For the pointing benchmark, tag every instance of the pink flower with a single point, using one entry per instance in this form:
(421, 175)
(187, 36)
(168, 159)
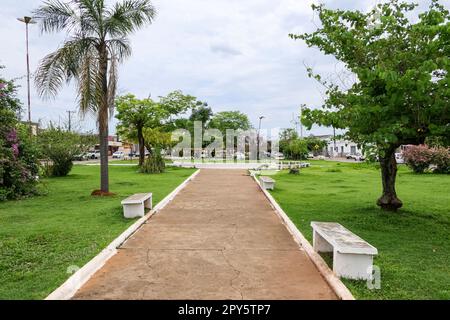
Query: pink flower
(15, 149)
(12, 136)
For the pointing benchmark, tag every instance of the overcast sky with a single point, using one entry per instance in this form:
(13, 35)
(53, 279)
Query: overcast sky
(234, 54)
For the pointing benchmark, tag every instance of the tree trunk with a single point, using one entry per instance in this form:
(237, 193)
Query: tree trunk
(141, 147)
(103, 115)
(389, 200)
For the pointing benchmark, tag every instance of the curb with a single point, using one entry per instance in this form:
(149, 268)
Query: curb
(330, 277)
(69, 288)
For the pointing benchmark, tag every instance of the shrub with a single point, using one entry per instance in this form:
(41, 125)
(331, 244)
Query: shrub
(441, 159)
(18, 160)
(418, 158)
(60, 147)
(154, 164)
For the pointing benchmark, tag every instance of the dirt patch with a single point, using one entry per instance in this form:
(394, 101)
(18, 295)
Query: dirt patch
(99, 193)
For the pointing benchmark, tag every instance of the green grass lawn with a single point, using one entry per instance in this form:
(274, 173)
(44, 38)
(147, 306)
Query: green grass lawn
(413, 244)
(40, 238)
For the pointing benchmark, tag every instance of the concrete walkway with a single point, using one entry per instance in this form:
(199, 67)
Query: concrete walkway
(218, 239)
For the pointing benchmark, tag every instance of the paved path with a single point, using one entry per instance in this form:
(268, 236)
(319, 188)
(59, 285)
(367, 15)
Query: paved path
(218, 239)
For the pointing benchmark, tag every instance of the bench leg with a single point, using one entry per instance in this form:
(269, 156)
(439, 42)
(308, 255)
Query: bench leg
(148, 204)
(131, 211)
(320, 244)
(353, 266)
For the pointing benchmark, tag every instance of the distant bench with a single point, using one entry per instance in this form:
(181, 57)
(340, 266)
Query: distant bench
(352, 256)
(134, 206)
(267, 183)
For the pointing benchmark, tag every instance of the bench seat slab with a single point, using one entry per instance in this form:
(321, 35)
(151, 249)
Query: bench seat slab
(134, 206)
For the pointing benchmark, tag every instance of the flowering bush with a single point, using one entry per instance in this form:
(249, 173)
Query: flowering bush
(18, 163)
(441, 160)
(420, 158)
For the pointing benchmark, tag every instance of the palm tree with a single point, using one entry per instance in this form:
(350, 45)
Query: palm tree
(97, 42)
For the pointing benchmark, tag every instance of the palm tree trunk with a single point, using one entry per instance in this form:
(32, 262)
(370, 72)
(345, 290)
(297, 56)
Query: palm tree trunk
(103, 121)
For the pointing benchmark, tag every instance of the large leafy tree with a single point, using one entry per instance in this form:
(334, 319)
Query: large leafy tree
(97, 42)
(401, 93)
(234, 120)
(177, 103)
(134, 115)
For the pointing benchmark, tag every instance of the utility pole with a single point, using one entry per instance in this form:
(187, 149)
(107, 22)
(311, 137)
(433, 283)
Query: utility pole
(27, 21)
(334, 140)
(70, 119)
(301, 124)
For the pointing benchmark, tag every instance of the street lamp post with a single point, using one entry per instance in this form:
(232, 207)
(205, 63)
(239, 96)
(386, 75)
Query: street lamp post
(27, 21)
(257, 138)
(70, 119)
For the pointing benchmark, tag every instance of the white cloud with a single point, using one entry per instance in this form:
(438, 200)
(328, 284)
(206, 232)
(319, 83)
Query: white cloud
(233, 54)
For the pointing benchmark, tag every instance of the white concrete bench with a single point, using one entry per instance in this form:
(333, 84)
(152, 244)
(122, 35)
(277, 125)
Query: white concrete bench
(134, 206)
(352, 256)
(267, 183)
(305, 165)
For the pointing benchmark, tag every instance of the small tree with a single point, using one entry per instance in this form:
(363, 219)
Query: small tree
(135, 114)
(60, 147)
(297, 149)
(315, 145)
(402, 66)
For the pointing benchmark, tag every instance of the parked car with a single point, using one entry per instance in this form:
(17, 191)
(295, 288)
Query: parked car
(118, 155)
(278, 156)
(239, 156)
(93, 155)
(310, 156)
(399, 158)
(80, 157)
(356, 157)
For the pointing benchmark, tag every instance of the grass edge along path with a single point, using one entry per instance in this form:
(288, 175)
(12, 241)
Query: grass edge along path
(413, 244)
(43, 238)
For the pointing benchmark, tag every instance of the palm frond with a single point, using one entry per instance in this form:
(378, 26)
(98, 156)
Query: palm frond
(112, 85)
(92, 11)
(55, 15)
(128, 16)
(89, 83)
(120, 48)
(61, 66)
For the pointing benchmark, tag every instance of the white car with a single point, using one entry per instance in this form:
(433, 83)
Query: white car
(278, 156)
(93, 155)
(356, 157)
(399, 158)
(239, 156)
(118, 155)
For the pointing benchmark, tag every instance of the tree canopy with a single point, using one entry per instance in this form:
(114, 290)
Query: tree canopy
(401, 93)
(96, 43)
(234, 120)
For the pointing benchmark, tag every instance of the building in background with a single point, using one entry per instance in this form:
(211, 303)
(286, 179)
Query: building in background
(340, 148)
(34, 127)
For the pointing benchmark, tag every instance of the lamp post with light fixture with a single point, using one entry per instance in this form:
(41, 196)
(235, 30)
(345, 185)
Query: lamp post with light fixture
(257, 138)
(27, 21)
